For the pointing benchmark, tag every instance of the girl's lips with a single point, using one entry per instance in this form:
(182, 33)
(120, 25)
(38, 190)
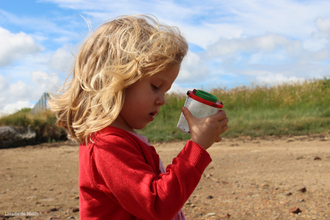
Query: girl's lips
(152, 115)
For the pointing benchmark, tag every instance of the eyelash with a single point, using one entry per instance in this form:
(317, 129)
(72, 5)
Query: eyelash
(154, 87)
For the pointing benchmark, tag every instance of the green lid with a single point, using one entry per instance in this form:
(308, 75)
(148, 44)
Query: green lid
(205, 95)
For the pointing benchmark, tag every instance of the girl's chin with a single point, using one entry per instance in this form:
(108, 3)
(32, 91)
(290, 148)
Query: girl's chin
(140, 127)
(151, 117)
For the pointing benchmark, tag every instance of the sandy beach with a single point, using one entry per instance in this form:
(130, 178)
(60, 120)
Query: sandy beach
(249, 178)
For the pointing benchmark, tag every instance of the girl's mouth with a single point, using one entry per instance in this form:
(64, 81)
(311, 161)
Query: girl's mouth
(152, 115)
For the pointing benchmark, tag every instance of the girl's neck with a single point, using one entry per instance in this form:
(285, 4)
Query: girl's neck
(121, 123)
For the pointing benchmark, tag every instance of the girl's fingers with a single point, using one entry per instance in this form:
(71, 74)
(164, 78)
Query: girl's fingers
(224, 121)
(187, 114)
(219, 115)
(224, 128)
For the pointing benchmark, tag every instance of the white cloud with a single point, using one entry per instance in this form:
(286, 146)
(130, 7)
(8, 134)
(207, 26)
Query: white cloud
(312, 56)
(14, 46)
(22, 91)
(207, 33)
(62, 59)
(320, 38)
(44, 26)
(178, 89)
(3, 83)
(15, 96)
(288, 18)
(315, 43)
(278, 79)
(266, 43)
(19, 94)
(46, 82)
(14, 107)
(244, 41)
(124, 7)
(193, 68)
(323, 24)
(40, 78)
(62, 39)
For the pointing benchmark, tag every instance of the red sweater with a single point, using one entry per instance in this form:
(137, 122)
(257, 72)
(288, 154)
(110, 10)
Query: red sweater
(119, 178)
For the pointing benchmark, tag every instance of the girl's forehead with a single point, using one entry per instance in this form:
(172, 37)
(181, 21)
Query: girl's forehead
(169, 74)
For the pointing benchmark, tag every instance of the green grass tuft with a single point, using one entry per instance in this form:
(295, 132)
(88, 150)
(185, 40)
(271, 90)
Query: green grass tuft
(43, 124)
(298, 109)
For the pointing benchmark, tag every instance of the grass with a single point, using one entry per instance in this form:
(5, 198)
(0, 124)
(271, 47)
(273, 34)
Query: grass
(43, 124)
(298, 109)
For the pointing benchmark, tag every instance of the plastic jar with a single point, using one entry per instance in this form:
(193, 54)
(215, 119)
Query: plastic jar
(200, 104)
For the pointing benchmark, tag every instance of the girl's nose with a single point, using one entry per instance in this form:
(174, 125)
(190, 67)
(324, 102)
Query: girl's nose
(160, 100)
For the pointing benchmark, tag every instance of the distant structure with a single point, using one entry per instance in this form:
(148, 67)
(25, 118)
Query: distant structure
(42, 104)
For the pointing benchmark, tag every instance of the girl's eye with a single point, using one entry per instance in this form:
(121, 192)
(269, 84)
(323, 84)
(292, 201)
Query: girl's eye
(154, 87)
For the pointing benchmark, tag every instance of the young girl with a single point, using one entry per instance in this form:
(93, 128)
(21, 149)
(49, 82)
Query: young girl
(119, 79)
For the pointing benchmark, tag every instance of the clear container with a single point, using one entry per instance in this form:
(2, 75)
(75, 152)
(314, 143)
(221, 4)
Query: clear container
(200, 104)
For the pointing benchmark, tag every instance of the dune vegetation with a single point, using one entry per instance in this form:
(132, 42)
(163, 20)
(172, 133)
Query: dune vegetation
(290, 109)
(297, 109)
(43, 124)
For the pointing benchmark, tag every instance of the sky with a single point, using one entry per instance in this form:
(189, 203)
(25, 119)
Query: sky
(231, 43)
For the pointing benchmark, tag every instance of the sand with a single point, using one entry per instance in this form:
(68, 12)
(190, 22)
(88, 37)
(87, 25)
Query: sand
(249, 178)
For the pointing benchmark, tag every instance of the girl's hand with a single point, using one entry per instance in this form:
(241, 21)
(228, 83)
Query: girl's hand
(206, 131)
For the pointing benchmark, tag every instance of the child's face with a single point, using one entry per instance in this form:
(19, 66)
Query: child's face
(144, 98)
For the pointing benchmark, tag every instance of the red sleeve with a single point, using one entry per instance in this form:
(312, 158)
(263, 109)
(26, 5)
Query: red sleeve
(122, 172)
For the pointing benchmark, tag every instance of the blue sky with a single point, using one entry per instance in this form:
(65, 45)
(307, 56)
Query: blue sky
(232, 43)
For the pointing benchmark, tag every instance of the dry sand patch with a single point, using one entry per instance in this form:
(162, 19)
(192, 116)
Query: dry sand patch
(247, 179)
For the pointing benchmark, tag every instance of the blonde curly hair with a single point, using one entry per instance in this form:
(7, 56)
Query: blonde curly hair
(115, 56)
